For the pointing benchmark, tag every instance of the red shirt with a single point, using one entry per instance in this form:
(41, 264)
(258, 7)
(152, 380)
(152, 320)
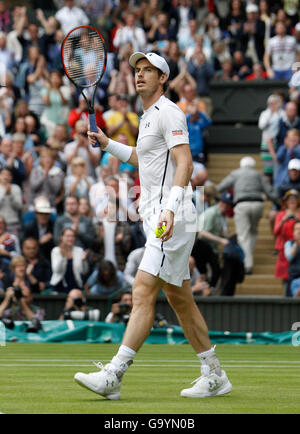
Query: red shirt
(75, 115)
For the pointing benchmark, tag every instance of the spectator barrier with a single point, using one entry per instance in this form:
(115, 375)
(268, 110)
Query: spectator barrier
(100, 332)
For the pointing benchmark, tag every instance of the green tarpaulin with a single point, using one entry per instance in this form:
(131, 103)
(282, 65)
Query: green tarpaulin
(100, 332)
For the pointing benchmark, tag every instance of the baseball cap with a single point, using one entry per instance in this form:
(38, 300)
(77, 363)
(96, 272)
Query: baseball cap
(158, 61)
(292, 192)
(247, 162)
(294, 164)
(226, 198)
(42, 205)
(251, 8)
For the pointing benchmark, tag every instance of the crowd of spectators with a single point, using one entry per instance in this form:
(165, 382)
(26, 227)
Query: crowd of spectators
(67, 221)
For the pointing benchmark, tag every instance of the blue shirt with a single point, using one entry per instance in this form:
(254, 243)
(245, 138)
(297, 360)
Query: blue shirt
(195, 132)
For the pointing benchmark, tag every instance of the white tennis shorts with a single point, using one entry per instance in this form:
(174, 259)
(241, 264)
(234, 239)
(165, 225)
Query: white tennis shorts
(168, 260)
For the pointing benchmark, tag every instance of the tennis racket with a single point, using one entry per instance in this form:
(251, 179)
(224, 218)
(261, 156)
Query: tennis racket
(84, 57)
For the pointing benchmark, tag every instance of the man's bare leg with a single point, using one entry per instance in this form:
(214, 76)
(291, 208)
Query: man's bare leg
(190, 318)
(144, 293)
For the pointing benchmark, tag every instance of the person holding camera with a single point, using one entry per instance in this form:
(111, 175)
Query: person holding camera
(77, 309)
(17, 306)
(121, 310)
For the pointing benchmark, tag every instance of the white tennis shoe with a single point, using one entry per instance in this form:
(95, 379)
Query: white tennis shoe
(208, 385)
(106, 382)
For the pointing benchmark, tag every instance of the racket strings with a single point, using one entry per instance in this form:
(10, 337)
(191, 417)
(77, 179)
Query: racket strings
(84, 56)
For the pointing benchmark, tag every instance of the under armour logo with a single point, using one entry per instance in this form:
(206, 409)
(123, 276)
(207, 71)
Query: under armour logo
(147, 125)
(212, 385)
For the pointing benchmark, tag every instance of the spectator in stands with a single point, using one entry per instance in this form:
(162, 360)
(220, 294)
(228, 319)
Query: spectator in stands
(81, 113)
(56, 98)
(21, 276)
(17, 306)
(258, 73)
(226, 71)
(112, 106)
(6, 57)
(5, 18)
(197, 123)
(283, 230)
(268, 123)
(82, 226)
(32, 38)
(288, 121)
(242, 65)
(57, 154)
(71, 16)
(211, 235)
(122, 77)
(293, 182)
(9, 243)
(186, 38)
(105, 280)
(292, 254)
(202, 72)
(289, 151)
(198, 285)
(123, 121)
(120, 310)
(10, 201)
(234, 24)
(130, 33)
(114, 238)
(10, 160)
(132, 264)
(68, 263)
(80, 148)
(253, 35)
(85, 208)
(47, 180)
(78, 183)
(248, 185)
(41, 227)
(38, 268)
(280, 54)
(177, 86)
(188, 97)
(161, 32)
(36, 76)
(267, 17)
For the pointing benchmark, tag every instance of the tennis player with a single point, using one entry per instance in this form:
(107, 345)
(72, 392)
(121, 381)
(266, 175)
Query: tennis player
(165, 166)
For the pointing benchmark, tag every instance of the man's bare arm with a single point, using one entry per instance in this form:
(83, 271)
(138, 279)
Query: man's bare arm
(115, 148)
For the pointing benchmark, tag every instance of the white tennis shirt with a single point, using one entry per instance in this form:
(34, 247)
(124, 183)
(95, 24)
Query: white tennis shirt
(162, 126)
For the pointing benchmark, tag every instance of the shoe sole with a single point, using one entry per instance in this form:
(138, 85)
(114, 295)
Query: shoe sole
(227, 388)
(115, 396)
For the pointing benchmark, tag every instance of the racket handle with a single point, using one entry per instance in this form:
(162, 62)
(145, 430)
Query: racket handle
(93, 127)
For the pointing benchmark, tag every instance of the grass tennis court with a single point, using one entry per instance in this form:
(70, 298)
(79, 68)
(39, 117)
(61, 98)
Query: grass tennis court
(38, 378)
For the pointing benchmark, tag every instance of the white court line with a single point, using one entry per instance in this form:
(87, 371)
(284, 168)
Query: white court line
(147, 361)
(30, 365)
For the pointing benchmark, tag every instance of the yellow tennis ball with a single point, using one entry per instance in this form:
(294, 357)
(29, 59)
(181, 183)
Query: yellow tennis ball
(160, 231)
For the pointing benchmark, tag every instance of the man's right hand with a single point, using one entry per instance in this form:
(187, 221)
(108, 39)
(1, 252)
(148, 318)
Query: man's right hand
(100, 136)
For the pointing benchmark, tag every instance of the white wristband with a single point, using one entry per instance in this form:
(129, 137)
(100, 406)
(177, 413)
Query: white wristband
(123, 152)
(175, 198)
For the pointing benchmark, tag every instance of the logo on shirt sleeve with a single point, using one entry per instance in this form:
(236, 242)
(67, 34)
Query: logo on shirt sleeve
(177, 132)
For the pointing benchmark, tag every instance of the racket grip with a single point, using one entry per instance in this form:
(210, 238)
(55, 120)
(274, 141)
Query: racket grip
(93, 127)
